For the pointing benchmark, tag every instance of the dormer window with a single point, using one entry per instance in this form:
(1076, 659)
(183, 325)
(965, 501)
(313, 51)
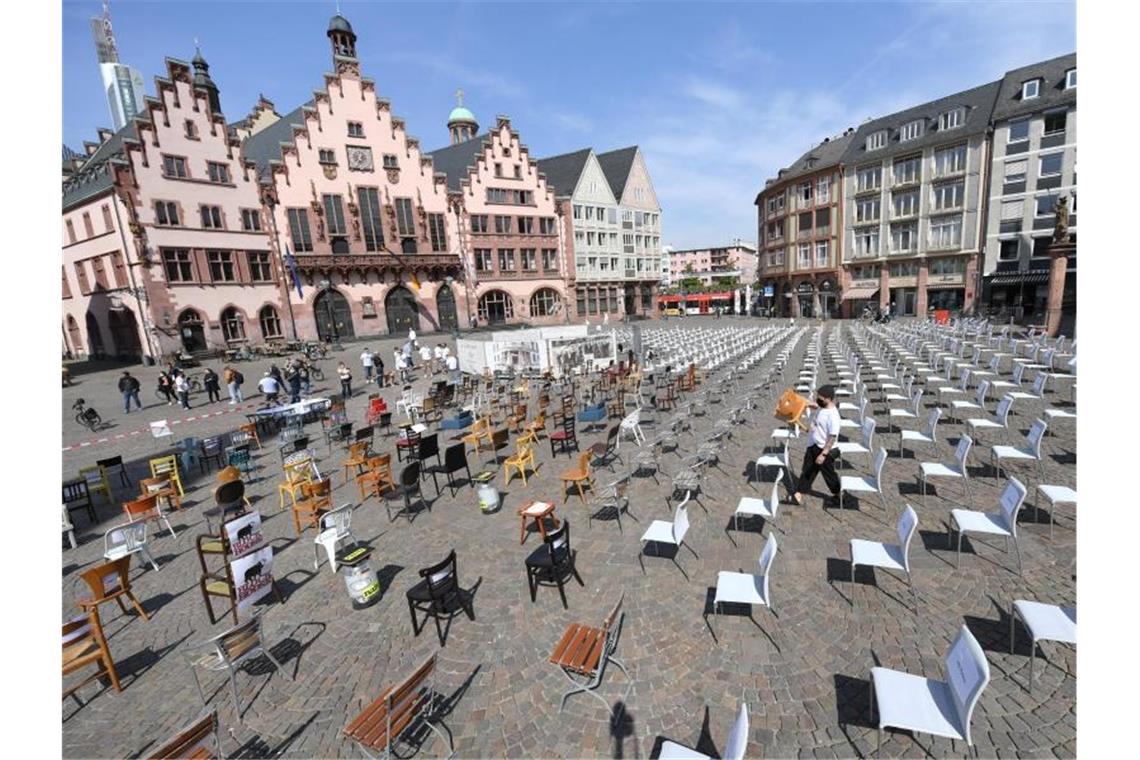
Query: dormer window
(355, 129)
(877, 140)
(912, 130)
(326, 156)
(955, 117)
(191, 130)
(1070, 79)
(1030, 89)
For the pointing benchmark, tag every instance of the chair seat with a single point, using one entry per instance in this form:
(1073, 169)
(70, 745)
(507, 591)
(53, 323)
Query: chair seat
(673, 751)
(939, 470)
(753, 506)
(850, 447)
(1023, 396)
(847, 423)
(877, 554)
(218, 588)
(969, 521)
(1062, 414)
(980, 423)
(857, 483)
(660, 531)
(915, 703)
(1012, 452)
(964, 404)
(914, 435)
(1048, 621)
(1058, 494)
(770, 460)
(902, 413)
(560, 435)
(580, 649)
(573, 475)
(739, 588)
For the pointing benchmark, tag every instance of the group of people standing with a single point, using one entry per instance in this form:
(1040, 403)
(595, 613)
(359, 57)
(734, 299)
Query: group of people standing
(435, 358)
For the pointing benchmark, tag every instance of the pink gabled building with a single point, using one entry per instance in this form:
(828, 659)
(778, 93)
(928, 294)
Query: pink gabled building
(358, 207)
(164, 237)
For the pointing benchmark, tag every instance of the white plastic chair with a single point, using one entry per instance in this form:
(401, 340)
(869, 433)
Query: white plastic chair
(978, 403)
(957, 469)
(1001, 421)
(907, 414)
(127, 539)
(734, 748)
(1045, 622)
(665, 532)
(941, 708)
(887, 556)
(746, 588)
(1001, 523)
(773, 460)
(927, 435)
(1055, 495)
(858, 447)
(750, 506)
(1038, 392)
(866, 484)
(1030, 453)
(1002, 385)
(335, 530)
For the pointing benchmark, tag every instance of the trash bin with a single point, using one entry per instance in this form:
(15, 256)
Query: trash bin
(488, 495)
(360, 580)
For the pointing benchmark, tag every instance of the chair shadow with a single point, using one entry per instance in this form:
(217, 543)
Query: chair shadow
(993, 634)
(840, 570)
(288, 587)
(138, 663)
(704, 744)
(387, 574)
(932, 540)
(734, 609)
(852, 707)
(257, 748)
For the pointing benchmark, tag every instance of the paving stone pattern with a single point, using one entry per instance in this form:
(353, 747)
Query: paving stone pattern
(803, 668)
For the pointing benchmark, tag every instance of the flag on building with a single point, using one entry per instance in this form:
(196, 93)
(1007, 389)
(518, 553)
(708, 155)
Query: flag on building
(291, 265)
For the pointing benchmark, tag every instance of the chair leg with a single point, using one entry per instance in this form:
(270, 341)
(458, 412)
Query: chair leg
(958, 564)
(149, 557)
(234, 692)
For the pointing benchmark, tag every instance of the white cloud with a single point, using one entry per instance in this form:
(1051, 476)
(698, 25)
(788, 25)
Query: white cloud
(489, 84)
(572, 122)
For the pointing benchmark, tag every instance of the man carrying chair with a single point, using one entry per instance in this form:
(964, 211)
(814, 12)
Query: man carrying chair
(822, 436)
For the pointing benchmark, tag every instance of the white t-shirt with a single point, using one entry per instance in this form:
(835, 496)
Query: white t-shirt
(425, 354)
(412, 335)
(824, 426)
(268, 384)
(452, 363)
(366, 358)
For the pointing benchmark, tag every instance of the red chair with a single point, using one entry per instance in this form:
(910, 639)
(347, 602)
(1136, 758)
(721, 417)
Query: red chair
(376, 407)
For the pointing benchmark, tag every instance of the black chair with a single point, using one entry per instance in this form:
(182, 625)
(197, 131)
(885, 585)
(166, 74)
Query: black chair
(500, 439)
(385, 423)
(606, 453)
(211, 448)
(364, 434)
(439, 596)
(408, 487)
(552, 563)
(76, 496)
(454, 460)
(341, 433)
(409, 443)
(113, 463)
(292, 447)
(565, 436)
(429, 447)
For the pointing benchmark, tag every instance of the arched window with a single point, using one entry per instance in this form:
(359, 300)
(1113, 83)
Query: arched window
(496, 306)
(233, 325)
(545, 302)
(270, 323)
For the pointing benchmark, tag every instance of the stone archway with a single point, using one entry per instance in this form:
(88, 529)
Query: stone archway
(445, 304)
(94, 336)
(125, 332)
(192, 331)
(333, 316)
(402, 311)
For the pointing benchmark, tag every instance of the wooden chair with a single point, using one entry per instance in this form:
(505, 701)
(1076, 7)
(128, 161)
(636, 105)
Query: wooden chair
(168, 465)
(250, 429)
(146, 509)
(479, 431)
(412, 701)
(377, 477)
(226, 474)
(214, 583)
(583, 652)
(516, 420)
(110, 580)
(77, 496)
(296, 473)
(523, 458)
(97, 480)
(83, 645)
(577, 476)
(538, 425)
(316, 499)
(409, 442)
(163, 488)
(199, 741)
(564, 436)
(500, 439)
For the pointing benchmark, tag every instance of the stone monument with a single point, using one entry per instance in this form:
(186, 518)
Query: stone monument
(1059, 250)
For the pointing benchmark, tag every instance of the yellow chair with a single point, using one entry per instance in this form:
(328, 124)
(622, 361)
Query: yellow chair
(96, 477)
(167, 467)
(296, 474)
(523, 458)
(480, 430)
(577, 476)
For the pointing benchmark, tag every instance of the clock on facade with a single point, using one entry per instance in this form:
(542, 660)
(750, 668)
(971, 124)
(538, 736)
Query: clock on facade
(359, 158)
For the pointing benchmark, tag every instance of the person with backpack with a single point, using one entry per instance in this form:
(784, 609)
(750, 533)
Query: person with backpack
(345, 375)
(210, 383)
(129, 387)
(233, 380)
(293, 378)
(166, 387)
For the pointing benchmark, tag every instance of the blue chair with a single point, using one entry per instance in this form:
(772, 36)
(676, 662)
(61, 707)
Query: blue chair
(461, 421)
(592, 415)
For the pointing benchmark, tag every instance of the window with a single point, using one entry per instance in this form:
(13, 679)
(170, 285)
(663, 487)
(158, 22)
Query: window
(546, 225)
(904, 237)
(327, 156)
(776, 230)
(529, 261)
(259, 268)
(526, 225)
(370, 217)
(503, 225)
(390, 161)
(221, 266)
(906, 269)
(87, 226)
(251, 220)
(355, 129)
(100, 274)
(869, 178)
(518, 172)
(165, 214)
(550, 259)
(516, 197)
(219, 173)
(107, 224)
(1055, 122)
(949, 196)
(1010, 249)
(498, 170)
(81, 275)
(545, 302)
(946, 266)
(233, 325)
(822, 220)
(405, 222)
(479, 223)
(1041, 247)
(299, 229)
(877, 140)
(950, 161)
(1019, 130)
(577, 212)
(70, 231)
(211, 217)
(270, 323)
(1050, 165)
(174, 166)
(1030, 89)
(907, 170)
(483, 260)
(905, 204)
(1015, 170)
(1012, 211)
(912, 130)
(803, 256)
(821, 252)
(805, 195)
(867, 210)
(951, 119)
(1070, 79)
(496, 306)
(334, 214)
(437, 232)
(1045, 204)
(191, 129)
(805, 223)
(66, 285)
(506, 259)
(823, 190)
(867, 242)
(176, 263)
(946, 232)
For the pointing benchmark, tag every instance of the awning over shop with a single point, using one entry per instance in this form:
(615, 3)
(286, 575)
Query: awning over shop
(852, 294)
(1021, 277)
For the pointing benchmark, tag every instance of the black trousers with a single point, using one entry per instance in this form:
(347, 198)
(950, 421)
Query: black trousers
(811, 469)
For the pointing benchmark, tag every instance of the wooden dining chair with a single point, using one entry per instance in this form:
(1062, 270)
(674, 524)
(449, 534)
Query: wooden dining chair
(296, 473)
(357, 458)
(167, 465)
(316, 499)
(519, 461)
(97, 480)
(146, 509)
(110, 581)
(576, 476)
(163, 488)
(250, 429)
(83, 645)
(377, 477)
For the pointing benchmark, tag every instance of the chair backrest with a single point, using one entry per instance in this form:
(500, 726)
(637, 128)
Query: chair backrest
(455, 457)
(110, 462)
(192, 740)
(339, 519)
(961, 451)
(767, 557)
(143, 506)
(298, 470)
(774, 504)
(1036, 433)
(964, 380)
(877, 465)
(968, 674)
(130, 537)
(737, 744)
(358, 448)
(906, 527)
(1018, 373)
(429, 446)
(917, 399)
(994, 362)
(681, 521)
(1003, 409)
(1039, 384)
(868, 431)
(240, 640)
(229, 493)
(163, 465)
(443, 577)
(932, 422)
(76, 490)
(1011, 501)
(558, 544)
(500, 439)
(108, 578)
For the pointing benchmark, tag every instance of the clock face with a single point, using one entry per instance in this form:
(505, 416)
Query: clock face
(359, 158)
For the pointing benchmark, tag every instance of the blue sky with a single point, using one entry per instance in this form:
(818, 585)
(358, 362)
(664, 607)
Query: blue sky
(718, 95)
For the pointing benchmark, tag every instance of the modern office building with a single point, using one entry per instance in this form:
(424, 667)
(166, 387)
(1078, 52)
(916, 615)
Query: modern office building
(122, 85)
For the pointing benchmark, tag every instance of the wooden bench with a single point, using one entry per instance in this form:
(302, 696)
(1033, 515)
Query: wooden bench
(398, 708)
(193, 742)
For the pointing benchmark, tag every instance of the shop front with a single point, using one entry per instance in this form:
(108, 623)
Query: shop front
(1020, 295)
(946, 292)
(828, 300)
(768, 299)
(805, 296)
(789, 304)
(861, 295)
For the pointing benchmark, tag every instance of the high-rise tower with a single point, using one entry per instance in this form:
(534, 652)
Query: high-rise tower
(123, 85)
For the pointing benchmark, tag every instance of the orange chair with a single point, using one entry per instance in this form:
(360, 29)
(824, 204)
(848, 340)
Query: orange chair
(377, 478)
(479, 431)
(250, 429)
(523, 458)
(577, 476)
(515, 421)
(110, 580)
(227, 474)
(163, 488)
(537, 425)
(316, 499)
(357, 457)
(83, 645)
(147, 508)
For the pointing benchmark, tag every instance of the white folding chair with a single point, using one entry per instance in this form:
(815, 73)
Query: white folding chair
(123, 540)
(863, 484)
(1001, 523)
(734, 748)
(672, 533)
(746, 588)
(941, 708)
(887, 556)
(751, 507)
(1045, 622)
(957, 469)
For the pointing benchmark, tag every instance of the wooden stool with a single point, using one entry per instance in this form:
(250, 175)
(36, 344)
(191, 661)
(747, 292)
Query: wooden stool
(536, 510)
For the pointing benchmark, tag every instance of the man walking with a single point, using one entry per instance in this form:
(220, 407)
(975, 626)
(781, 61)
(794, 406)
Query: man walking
(368, 361)
(293, 378)
(819, 457)
(182, 388)
(210, 383)
(129, 387)
(233, 380)
(270, 387)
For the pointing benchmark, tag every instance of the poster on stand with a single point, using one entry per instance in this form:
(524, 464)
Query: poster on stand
(244, 533)
(253, 576)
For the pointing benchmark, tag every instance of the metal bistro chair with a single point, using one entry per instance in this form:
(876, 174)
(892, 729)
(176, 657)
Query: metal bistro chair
(123, 540)
(583, 653)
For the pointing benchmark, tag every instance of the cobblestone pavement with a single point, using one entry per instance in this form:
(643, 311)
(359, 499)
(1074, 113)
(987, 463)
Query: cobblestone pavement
(803, 669)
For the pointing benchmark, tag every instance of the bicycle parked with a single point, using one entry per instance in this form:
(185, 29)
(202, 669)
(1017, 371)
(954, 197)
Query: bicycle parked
(86, 416)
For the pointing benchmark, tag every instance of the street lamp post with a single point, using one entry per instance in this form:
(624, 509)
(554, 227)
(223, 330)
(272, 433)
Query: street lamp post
(455, 327)
(326, 286)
